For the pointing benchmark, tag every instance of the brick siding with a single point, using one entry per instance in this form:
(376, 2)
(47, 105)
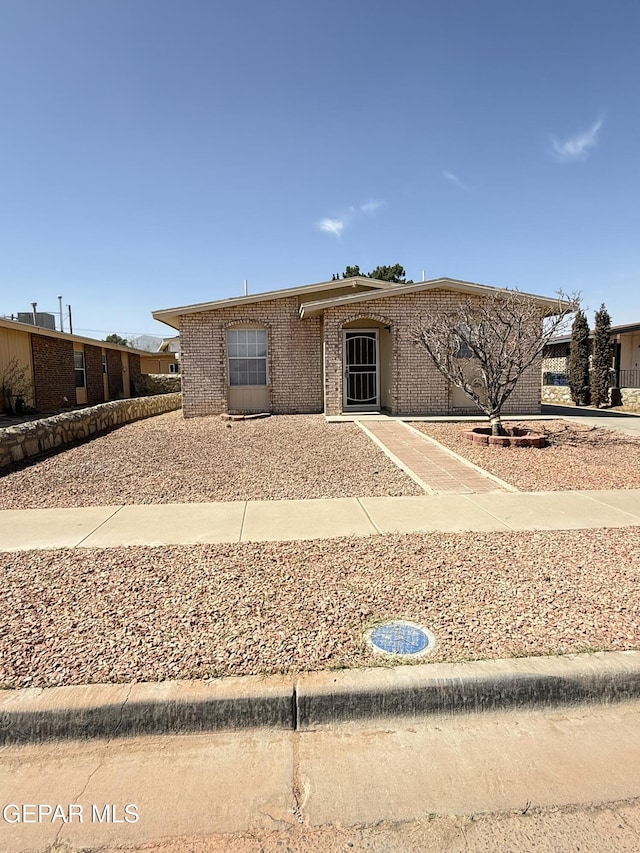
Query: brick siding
(53, 372)
(295, 357)
(93, 366)
(114, 370)
(418, 388)
(134, 367)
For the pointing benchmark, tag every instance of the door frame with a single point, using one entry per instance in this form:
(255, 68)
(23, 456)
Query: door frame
(360, 407)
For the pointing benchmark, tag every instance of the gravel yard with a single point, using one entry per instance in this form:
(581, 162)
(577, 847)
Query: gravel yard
(577, 457)
(147, 614)
(167, 459)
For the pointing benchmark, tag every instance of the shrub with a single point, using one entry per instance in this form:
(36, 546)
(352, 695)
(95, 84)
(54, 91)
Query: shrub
(601, 365)
(578, 368)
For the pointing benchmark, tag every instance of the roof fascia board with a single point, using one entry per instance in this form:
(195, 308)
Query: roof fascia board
(65, 336)
(310, 309)
(166, 315)
(625, 329)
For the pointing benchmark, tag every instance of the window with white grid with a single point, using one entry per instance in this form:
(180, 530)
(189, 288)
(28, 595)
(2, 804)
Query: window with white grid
(247, 355)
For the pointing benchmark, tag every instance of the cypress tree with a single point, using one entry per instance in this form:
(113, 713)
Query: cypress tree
(601, 365)
(578, 367)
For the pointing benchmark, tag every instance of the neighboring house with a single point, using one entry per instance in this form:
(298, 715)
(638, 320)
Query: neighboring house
(625, 366)
(171, 345)
(64, 369)
(165, 360)
(338, 346)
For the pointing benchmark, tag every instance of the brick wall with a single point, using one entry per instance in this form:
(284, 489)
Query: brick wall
(53, 372)
(114, 369)
(134, 367)
(418, 388)
(527, 395)
(93, 365)
(295, 357)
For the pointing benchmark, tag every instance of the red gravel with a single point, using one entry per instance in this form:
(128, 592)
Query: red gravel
(167, 459)
(147, 614)
(577, 457)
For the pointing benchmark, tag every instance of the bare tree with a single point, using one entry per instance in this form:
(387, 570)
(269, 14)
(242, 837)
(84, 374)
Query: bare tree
(484, 344)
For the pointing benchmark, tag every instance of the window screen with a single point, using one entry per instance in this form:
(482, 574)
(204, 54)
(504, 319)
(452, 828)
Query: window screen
(247, 353)
(78, 363)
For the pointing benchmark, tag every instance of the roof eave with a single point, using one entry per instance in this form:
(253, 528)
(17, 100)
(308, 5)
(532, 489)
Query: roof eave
(312, 309)
(171, 316)
(17, 325)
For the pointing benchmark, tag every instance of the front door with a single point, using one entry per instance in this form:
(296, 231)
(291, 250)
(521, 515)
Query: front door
(361, 387)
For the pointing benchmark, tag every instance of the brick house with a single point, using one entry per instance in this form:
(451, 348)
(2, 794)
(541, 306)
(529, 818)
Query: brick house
(625, 366)
(65, 369)
(338, 346)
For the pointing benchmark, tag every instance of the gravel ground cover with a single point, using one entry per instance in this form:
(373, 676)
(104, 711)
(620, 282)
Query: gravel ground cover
(148, 614)
(577, 456)
(167, 459)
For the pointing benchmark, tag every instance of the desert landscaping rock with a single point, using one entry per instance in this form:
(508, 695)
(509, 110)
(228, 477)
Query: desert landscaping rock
(168, 459)
(35, 437)
(577, 456)
(151, 614)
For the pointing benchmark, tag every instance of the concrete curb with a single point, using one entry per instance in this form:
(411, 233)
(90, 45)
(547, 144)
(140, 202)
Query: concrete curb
(326, 698)
(313, 700)
(127, 710)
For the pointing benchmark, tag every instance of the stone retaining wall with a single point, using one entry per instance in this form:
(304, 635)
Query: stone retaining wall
(630, 397)
(146, 384)
(560, 394)
(36, 437)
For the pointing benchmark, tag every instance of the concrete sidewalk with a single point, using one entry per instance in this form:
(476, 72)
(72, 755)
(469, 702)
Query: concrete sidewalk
(625, 422)
(264, 521)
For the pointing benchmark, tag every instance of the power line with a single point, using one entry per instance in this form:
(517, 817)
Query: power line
(99, 331)
(111, 332)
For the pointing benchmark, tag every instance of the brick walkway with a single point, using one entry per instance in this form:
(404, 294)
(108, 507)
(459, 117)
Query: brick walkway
(432, 466)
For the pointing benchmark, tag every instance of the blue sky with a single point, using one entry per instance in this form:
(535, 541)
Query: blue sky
(157, 153)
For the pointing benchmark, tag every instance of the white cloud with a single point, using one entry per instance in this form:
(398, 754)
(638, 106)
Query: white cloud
(337, 224)
(454, 179)
(371, 206)
(332, 226)
(576, 147)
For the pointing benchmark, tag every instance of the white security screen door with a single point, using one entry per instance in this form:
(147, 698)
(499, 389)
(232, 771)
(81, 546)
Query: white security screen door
(361, 387)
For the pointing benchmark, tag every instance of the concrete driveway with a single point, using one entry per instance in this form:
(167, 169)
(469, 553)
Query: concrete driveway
(621, 421)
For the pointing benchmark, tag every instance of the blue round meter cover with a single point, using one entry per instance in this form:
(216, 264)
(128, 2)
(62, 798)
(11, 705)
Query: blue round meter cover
(400, 638)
